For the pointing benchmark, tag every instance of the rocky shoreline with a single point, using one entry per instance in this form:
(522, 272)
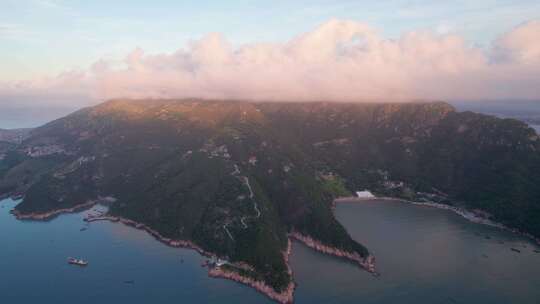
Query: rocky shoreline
(152, 232)
(475, 218)
(284, 297)
(469, 215)
(367, 263)
(51, 214)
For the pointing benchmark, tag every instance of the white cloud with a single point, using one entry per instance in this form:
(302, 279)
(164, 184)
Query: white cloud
(340, 60)
(521, 45)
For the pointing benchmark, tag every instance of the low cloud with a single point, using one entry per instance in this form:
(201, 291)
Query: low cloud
(338, 61)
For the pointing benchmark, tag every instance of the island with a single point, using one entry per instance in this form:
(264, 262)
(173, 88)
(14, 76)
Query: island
(238, 181)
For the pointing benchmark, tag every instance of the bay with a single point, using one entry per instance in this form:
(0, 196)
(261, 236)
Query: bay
(425, 255)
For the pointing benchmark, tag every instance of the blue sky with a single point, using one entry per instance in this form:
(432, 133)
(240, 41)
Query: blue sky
(44, 37)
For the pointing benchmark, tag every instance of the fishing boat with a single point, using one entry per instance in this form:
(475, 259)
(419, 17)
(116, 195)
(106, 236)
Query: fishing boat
(79, 262)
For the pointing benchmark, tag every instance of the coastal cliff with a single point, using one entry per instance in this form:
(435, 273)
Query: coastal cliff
(36, 216)
(286, 296)
(232, 179)
(230, 271)
(367, 263)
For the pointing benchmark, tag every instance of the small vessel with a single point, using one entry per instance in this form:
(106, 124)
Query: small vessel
(79, 262)
(515, 250)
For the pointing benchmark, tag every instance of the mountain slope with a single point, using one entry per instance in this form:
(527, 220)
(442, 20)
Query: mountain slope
(235, 178)
(13, 135)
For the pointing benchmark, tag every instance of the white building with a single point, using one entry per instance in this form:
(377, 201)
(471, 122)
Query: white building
(364, 194)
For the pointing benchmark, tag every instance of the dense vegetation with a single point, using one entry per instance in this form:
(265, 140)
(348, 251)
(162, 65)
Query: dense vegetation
(188, 168)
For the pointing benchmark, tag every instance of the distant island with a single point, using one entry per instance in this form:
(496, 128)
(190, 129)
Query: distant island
(237, 181)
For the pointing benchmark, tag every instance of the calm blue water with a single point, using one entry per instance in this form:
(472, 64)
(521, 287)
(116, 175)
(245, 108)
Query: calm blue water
(425, 256)
(33, 266)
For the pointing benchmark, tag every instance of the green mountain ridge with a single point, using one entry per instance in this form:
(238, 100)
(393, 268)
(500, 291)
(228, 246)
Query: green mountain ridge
(236, 177)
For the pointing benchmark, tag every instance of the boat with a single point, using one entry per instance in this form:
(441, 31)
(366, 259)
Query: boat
(515, 250)
(79, 262)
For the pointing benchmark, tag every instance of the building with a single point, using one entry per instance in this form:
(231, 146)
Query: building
(364, 194)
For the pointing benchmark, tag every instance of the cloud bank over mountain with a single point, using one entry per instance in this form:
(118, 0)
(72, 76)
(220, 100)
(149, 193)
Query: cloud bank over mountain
(338, 61)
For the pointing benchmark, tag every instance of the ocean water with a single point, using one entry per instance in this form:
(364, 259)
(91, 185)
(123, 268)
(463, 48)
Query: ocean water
(424, 255)
(33, 267)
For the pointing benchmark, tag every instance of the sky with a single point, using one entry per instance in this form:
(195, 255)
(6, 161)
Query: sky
(58, 52)
(41, 37)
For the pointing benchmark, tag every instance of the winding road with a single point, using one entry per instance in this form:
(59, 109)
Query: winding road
(245, 181)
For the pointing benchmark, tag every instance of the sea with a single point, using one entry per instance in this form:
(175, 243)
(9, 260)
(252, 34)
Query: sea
(424, 255)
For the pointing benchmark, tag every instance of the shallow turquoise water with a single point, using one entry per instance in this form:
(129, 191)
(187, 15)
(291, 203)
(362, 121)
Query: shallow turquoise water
(425, 255)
